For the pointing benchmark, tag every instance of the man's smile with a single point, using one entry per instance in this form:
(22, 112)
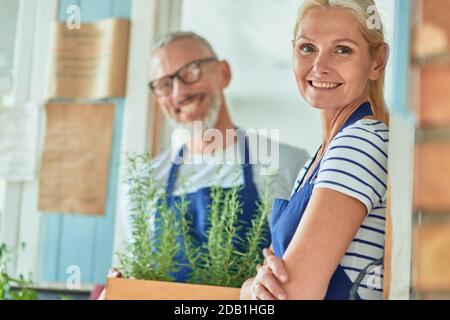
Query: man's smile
(189, 104)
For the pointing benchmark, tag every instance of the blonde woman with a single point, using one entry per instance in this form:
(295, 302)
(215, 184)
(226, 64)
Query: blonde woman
(332, 227)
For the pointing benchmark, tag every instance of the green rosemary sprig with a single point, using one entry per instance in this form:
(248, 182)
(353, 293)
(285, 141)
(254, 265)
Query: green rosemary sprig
(254, 237)
(147, 257)
(136, 262)
(166, 244)
(219, 258)
(190, 247)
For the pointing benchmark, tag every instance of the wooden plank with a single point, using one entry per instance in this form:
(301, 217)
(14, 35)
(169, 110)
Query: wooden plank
(436, 12)
(434, 110)
(433, 296)
(431, 50)
(432, 177)
(126, 289)
(397, 262)
(431, 31)
(432, 257)
(401, 155)
(158, 124)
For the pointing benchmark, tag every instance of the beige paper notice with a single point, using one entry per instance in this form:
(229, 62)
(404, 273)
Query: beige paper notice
(75, 163)
(90, 62)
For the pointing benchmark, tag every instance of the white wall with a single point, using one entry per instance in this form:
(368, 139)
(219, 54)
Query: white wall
(255, 37)
(8, 16)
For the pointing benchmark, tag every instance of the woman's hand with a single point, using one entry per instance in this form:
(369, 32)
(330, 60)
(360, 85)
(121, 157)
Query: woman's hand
(267, 283)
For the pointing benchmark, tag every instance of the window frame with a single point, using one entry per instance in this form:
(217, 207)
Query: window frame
(31, 69)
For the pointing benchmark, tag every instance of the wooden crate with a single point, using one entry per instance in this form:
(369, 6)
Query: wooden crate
(127, 289)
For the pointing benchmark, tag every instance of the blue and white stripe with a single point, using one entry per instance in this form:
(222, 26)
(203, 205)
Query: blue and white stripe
(355, 164)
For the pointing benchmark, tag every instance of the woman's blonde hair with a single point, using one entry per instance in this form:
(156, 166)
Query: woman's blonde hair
(363, 11)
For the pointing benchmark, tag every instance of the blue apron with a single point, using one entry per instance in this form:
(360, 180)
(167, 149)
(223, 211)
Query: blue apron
(199, 202)
(286, 216)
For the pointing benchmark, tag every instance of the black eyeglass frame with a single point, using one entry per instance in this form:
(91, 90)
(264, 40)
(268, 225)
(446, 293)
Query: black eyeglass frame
(176, 74)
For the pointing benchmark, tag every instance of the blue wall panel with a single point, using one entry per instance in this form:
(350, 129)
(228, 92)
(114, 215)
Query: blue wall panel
(104, 235)
(85, 241)
(402, 42)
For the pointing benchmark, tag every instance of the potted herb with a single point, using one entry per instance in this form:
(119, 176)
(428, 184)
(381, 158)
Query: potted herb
(218, 267)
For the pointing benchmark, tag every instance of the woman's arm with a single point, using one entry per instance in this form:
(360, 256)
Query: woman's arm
(324, 234)
(266, 285)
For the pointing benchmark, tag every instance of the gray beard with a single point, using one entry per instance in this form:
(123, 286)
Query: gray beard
(209, 122)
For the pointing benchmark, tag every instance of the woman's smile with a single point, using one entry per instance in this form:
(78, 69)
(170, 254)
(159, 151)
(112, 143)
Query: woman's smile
(322, 85)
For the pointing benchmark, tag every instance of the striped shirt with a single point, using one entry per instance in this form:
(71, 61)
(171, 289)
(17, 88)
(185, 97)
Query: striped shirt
(356, 164)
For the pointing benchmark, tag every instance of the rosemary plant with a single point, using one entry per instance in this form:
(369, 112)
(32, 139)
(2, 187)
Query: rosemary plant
(152, 255)
(190, 246)
(221, 258)
(146, 257)
(165, 242)
(258, 231)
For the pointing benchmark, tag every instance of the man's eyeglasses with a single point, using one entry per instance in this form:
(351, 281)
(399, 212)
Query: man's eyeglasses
(190, 73)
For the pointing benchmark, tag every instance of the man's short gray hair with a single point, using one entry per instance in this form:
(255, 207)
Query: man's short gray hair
(178, 35)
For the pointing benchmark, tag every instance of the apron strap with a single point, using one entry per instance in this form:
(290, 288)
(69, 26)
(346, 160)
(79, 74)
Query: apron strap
(364, 110)
(307, 169)
(247, 167)
(244, 151)
(173, 174)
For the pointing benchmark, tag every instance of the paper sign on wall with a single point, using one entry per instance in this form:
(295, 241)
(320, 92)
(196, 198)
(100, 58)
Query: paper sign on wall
(90, 62)
(75, 163)
(18, 142)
